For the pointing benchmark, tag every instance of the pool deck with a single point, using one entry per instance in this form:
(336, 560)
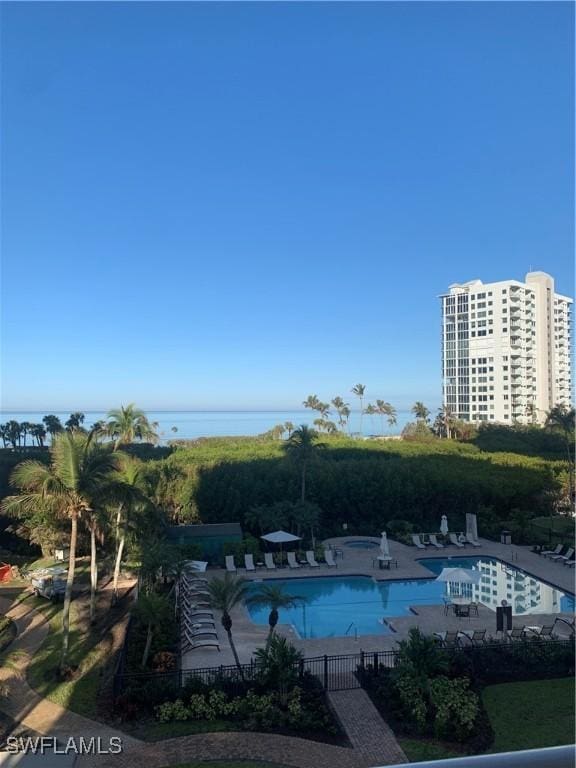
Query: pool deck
(359, 562)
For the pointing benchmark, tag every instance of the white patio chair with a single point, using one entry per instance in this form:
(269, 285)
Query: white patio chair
(454, 540)
(249, 562)
(292, 562)
(417, 541)
(434, 541)
(311, 560)
(269, 560)
(472, 541)
(329, 558)
(230, 564)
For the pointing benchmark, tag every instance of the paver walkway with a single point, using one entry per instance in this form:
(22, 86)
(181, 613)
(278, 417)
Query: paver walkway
(369, 735)
(23, 704)
(266, 747)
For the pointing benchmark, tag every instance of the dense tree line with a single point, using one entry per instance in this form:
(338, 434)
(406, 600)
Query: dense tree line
(362, 483)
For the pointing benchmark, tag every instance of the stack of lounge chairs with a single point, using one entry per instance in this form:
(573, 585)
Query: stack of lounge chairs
(556, 554)
(421, 543)
(197, 624)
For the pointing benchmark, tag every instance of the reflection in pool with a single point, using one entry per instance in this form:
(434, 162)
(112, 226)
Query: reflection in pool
(500, 581)
(347, 605)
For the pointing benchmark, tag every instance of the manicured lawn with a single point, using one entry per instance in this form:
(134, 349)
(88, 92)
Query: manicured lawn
(427, 749)
(88, 654)
(7, 632)
(538, 713)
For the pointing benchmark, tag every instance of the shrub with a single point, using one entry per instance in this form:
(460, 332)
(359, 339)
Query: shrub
(422, 653)
(455, 708)
(410, 687)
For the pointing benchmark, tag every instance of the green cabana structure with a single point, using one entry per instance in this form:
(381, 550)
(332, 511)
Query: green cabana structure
(210, 537)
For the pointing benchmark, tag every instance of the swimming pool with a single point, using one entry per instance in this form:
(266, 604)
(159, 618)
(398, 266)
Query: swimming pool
(347, 605)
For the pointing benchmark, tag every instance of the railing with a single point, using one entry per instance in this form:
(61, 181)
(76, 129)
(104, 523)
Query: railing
(335, 672)
(550, 757)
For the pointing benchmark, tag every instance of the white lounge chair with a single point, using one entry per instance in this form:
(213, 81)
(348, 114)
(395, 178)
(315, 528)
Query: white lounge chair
(191, 643)
(449, 638)
(569, 563)
(269, 560)
(434, 541)
(311, 560)
(472, 541)
(194, 625)
(454, 540)
(417, 541)
(543, 632)
(249, 562)
(329, 558)
(563, 558)
(230, 564)
(550, 552)
(292, 562)
(475, 636)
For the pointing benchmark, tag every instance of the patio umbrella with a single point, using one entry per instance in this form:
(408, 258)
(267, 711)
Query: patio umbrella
(444, 525)
(384, 548)
(280, 537)
(459, 576)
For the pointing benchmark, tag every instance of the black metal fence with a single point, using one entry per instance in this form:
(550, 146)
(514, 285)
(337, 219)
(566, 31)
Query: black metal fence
(340, 672)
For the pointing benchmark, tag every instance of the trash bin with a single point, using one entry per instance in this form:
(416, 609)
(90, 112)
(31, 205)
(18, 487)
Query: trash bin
(505, 537)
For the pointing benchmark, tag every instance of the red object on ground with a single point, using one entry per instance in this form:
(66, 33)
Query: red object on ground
(5, 572)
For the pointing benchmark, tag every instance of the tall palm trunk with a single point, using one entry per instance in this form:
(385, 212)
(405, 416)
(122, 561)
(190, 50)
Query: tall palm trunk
(272, 621)
(68, 592)
(361, 413)
(227, 624)
(147, 647)
(117, 564)
(93, 572)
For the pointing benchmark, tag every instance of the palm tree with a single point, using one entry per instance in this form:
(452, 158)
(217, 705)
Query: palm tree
(13, 433)
(75, 421)
(312, 402)
(359, 390)
(420, 411)
(445, 422)
(564, 419)
(69, 487)
(289, 427)
(225, 594)
(302, 447)
(53, 426)
(340, 407)
(370, 410)
(25, 429)
(3, 435)
(133, 498)
(127, 424)
(153, 610)
(275, 598)
(385, 409)
(39, 433)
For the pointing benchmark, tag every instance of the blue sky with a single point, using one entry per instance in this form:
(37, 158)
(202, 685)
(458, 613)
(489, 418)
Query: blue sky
(237, 205)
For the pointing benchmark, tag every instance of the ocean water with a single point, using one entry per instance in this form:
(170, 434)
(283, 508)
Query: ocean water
(187, 425)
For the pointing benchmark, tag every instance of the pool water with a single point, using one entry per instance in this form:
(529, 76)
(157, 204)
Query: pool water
(348, 605)
(361, 544)
(336, 606)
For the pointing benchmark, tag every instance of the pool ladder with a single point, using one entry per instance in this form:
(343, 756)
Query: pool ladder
(352, 624)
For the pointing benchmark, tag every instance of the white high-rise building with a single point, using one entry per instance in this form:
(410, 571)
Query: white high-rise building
(506, 349)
